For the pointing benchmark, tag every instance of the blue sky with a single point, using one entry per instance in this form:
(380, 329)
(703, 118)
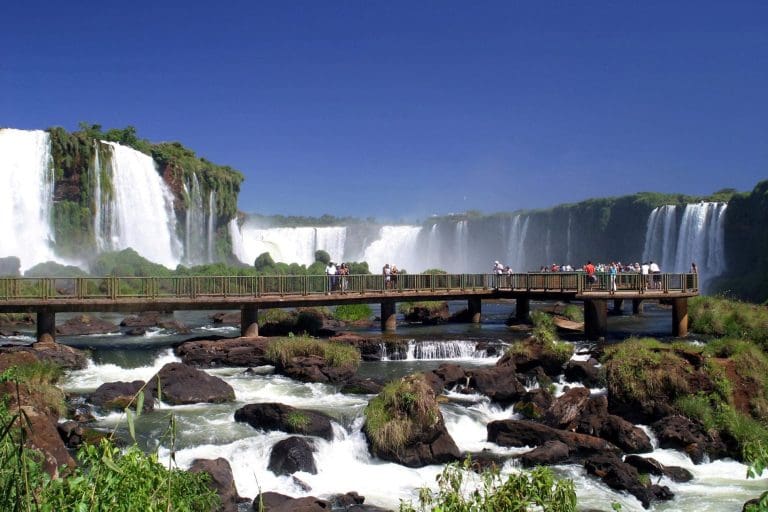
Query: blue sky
(400, 110)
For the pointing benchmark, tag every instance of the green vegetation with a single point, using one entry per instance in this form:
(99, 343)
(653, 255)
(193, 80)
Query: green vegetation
(573, 313)
(298, 420)
(403, 408)
(459, 489)
(718, 316)
(352, 312)
(545, 341)
(431, 306)
(106, 478)
(756, 455)
(283, 350)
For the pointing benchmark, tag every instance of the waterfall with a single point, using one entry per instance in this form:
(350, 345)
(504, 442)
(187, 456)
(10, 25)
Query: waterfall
(292, 245)
(211, 225)
(460, 245)
(139, 214)
(516, 234)
(568, 240)
(26, 191)
(236, 237)
(396, 245)
(701, 239)
(194, 222)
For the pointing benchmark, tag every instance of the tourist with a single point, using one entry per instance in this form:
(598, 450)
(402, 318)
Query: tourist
(656, 273)
(344, 272)
(694, 269)
(613, 269)
(589, 268)
(387, 273)
(645, 270)
(330, 271)
(394, 276)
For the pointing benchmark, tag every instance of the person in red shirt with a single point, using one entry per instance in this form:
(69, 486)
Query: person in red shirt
(589, 268)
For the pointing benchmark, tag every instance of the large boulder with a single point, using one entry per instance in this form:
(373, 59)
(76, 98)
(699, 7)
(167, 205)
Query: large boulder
(46, 349)
(275, 416)
(428, 315)
(595, 420)
(276, 502)
(43, 436)
(499, 383)
(567, 409)
(680, 433)
(453, 376)
(119, 395)
(240, 352)
(520, 433)
(315, 369)
(148, 319)
(181, 384)
(291, 455)
(222, 481)
(551, 452)
(620, 476)
(85, 324)
(534, 404)
(585, 372)
(530, 354)
(651, 466)
(361, 386)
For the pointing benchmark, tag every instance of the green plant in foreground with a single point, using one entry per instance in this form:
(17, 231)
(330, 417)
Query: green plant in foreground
(298, 420)
(461, 490)
(756, 455)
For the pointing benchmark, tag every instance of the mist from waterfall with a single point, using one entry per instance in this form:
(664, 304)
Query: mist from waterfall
(291, 245)
(26, 191)
(399, 246)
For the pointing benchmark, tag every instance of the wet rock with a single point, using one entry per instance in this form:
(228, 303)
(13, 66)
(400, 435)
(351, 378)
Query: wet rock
(85, 324)
(358, 386)
(315, 369)
(534, 404)
(43, 436)
(498, 383)
(182, 384)
(620, 476)
(238, 352)
(653, 467)
(116, 396)
(226, 318)
(275, 416)
(291, 455)
(680, 433)
(452, 375)
(222, 481)
(551, 452)
(276, 502)
(567, 409)
(585, 372)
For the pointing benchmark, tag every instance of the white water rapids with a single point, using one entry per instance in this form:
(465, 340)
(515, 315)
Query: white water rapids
(344, 464)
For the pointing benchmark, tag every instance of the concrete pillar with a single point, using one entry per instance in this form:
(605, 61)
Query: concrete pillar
(595, 318)
(618, 306)
(475, 306)
(637, 306)
(523, 309)
(680, 317)
(388, 316)
(46, 324)
(249, 321)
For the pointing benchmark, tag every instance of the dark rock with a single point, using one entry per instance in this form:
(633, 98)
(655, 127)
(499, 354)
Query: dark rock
(143, 319)
(533, 404)
(43, 435)
(222, 481)
(182, 384)
(71, 432)
(534, 355)
(275, 502)
(551, 452)
(452, 375)
(274, 416)
(625, 435)
(118, 395)
(526, 433)
(620, 476)
(428, 315)
(85, 324)
(652, 466)
(291, 455)
(239, 352)
(315, 369)
(680, 433)
(136, 331)
(435, 382)
(371, 349)
(499, 383)
(226, 318)
(567, 409)
(358, 386)
(586, 372)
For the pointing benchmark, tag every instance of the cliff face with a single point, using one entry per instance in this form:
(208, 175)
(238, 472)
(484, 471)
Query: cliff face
(82, 179)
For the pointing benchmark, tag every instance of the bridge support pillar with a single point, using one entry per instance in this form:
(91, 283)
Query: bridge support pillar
(474, 306)
(618, 306)
(637, 306)
(595, 318)
(388, 316)
(522, 309)
(46, 324)
(249, 321)
(680, 317)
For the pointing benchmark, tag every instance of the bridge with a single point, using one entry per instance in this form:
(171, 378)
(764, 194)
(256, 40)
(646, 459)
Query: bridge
(47, 296)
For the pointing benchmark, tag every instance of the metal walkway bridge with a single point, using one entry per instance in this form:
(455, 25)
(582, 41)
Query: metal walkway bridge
(46, 296)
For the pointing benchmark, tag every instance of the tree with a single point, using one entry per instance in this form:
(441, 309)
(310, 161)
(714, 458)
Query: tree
(323, 257)
(263, 262)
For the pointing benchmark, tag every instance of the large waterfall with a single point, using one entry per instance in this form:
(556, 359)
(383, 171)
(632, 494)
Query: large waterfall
(288, 245)
(139, 212)
(26, 190)
(396, 245)
(697, 235)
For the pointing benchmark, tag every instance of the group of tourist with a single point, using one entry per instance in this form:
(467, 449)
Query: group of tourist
(337, 277)
(390, 274)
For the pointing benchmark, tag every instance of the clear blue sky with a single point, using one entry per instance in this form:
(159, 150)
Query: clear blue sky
(399, 110)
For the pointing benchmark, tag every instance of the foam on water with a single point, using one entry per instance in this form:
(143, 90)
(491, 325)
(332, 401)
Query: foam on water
(94, 375)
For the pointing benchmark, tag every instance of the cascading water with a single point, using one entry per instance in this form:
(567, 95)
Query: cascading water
(237, 241)
(516, 234)
(194, 222)
(292, 245)
(139, 214)
(211, 231)
(396, 245)
(26, 190)
(699, 238)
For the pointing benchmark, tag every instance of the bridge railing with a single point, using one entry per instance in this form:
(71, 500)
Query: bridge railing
(52, 289)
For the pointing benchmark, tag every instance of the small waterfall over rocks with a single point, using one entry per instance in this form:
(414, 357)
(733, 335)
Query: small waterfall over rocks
(26, 192)
(434, 350)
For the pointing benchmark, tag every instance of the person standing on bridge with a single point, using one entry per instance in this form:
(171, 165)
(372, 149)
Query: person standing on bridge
(612, 271)
(330, 271)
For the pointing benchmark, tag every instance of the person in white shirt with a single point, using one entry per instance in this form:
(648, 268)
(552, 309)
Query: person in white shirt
(656, 273)
(644, 270)
(330, 271)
